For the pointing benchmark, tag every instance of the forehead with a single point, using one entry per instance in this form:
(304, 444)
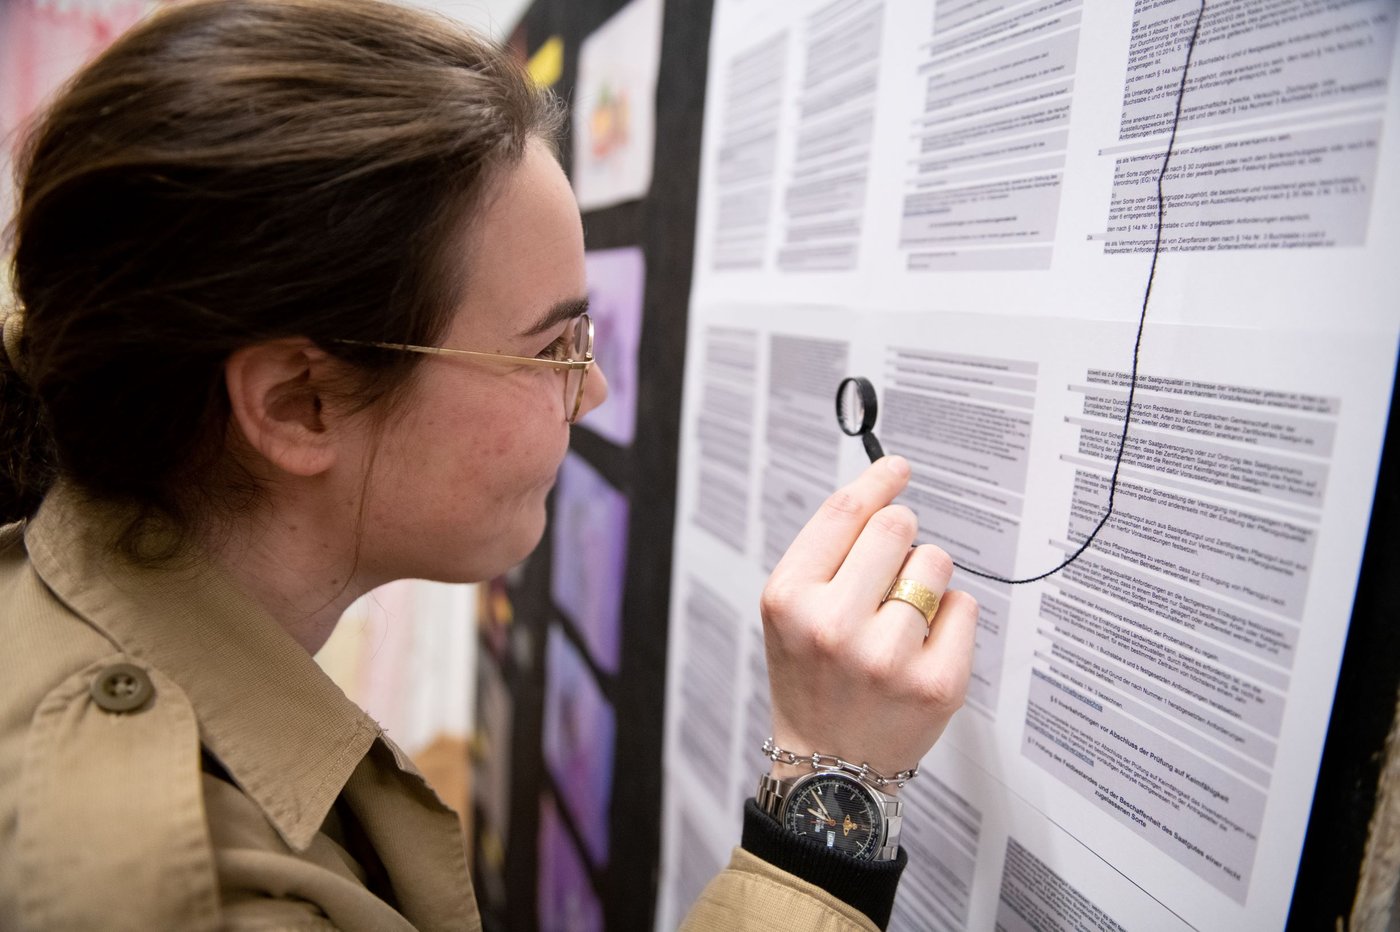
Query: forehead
(524, 253)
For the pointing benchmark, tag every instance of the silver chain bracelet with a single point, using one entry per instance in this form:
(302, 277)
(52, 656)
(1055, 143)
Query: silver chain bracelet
(832, 762)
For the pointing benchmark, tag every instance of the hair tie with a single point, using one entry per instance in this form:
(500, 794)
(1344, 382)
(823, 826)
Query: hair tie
(13, 328)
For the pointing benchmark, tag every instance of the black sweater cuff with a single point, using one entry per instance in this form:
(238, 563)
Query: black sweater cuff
(869, 886)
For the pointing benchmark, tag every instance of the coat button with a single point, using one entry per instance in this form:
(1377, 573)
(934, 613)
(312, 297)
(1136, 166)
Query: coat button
(122, 687)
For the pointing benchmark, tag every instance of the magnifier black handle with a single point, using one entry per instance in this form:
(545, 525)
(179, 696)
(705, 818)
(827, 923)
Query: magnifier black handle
(872, 446)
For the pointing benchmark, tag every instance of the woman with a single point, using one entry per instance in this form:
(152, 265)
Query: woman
(301, 311)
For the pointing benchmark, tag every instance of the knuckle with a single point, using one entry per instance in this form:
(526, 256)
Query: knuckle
(896, 521)
(843, 503)
(827, 642)
(966, 603)
(879, 668)
(777, 601)
(937, 559)
(944, 693)
(958, 602)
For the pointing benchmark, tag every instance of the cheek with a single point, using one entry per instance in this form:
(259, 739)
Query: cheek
(502, 446)
(522, 442)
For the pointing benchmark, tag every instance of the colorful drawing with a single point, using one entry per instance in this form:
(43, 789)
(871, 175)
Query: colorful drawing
(615, 107)
(607, 128)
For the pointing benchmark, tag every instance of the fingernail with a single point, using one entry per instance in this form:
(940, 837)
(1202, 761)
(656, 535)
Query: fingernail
(897, 465)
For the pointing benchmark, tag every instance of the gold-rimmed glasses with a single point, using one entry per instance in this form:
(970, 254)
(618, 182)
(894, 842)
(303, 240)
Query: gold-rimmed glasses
(571, 353)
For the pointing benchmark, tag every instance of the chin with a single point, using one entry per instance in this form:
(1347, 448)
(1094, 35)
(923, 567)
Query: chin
(486, 555)
(511, 549)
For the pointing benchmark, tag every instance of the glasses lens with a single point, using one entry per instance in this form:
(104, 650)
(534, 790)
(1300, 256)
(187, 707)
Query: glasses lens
(580, 348)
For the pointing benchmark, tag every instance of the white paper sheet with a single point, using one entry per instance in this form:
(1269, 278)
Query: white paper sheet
(614, 107)
(958, 200)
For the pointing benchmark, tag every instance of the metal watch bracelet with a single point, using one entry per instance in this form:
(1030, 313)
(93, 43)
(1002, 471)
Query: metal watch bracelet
(830, 762)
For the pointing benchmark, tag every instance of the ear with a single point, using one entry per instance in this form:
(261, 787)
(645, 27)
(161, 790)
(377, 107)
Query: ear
(275, 391)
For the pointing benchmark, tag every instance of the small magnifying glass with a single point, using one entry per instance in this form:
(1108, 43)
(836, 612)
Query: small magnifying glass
(856, 408)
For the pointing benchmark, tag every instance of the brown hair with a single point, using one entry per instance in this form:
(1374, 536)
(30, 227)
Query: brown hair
(228, 172)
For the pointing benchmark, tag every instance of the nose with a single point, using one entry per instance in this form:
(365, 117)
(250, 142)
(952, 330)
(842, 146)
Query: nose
(595, 389)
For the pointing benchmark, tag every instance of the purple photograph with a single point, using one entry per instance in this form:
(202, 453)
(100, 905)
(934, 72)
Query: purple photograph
(566, 900)
(590, 557)
(616, 282)
(579, 727)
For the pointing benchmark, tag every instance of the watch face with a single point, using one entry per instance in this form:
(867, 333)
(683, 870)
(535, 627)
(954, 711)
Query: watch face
(836, 811)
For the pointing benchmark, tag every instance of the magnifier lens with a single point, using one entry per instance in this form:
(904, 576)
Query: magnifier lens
(850, 408)
(856, 409)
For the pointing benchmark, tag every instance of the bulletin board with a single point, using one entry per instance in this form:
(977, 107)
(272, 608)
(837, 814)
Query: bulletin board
(1017, 219)
(1180, 730)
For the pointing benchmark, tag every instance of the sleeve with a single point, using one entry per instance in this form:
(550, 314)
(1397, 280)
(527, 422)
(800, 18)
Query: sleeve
(751, 895)
(869, 886)
(778, 880)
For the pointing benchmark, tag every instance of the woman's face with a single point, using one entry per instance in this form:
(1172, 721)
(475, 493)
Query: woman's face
(461, 472)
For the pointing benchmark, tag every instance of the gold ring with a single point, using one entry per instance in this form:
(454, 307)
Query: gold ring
(916, 594)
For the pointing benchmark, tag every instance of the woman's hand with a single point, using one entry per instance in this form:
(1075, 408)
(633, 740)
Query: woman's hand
(851, 675)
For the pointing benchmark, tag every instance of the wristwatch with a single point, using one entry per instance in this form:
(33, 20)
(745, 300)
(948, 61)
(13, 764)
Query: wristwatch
(837, 810)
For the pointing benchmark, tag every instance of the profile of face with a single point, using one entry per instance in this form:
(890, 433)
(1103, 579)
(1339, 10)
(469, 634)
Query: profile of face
(459, 476)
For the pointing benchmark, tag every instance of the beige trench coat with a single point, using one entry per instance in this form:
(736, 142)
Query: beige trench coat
(171, 759)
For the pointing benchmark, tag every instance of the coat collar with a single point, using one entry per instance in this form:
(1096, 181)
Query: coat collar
(286, 734)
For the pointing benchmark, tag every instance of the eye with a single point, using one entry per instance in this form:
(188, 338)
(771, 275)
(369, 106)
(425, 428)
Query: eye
(559, 348)
(571, 344)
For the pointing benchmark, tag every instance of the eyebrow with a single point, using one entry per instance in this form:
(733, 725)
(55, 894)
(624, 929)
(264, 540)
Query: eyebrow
(567, 309)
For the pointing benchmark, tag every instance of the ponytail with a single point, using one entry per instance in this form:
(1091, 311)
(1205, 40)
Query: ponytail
(27, 461)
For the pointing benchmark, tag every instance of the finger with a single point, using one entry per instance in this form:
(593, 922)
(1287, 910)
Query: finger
(931, 567)
(821, 546)
(947, 653)
(875, 559)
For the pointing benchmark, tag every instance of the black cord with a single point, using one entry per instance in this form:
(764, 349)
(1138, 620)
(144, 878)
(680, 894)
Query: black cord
(1137, 344)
